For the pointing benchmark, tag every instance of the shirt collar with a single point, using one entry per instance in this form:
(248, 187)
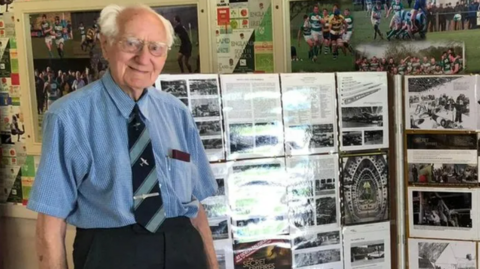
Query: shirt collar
(122, 101)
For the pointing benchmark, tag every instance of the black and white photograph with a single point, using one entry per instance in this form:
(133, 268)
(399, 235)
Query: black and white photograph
(302, 213)
(209, 128)
(314, 239)
(425, 253)
(205, 107)
(440, 103)
(326, 210)
(242, 138)
(362, 117)
(325, 186)
(319, 258)
(301, 189)
(219, 229)
(368, 252)
(322, 136)
(442, 173)
(447, 209)
(373, 137)
(177, 88)
(367, 246)
(212, 144)
(203, 87)
(443, 213)
(365, 188)
(267, 135)
(352, 138)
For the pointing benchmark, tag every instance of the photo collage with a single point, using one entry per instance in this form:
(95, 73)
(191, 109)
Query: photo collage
(442, 149)
(278, 146)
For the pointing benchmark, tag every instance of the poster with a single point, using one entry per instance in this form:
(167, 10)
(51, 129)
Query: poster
(8, 174)
(441, 103)
(29, 169)
(253, 115)
(201, 94)
(326, 257)
(364, 181)
(367, 246)
(253, 183)
(244, 36)
(309, 113)
(270, 253)
(216, 206)
(67, 54)
(442, 213)
(363, 110)
(427, 253)
(442, 159)
(313, 193)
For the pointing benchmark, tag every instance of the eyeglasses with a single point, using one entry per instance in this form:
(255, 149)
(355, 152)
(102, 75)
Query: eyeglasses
(135, 45)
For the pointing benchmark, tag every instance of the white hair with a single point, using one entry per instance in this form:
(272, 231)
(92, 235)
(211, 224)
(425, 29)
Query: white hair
(108, 21)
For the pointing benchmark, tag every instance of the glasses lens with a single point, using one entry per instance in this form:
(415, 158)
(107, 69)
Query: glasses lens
(131, 45)
(157, 49)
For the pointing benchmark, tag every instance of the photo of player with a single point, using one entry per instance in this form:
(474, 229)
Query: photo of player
(319, 31)
(67, 54)
(412, 21)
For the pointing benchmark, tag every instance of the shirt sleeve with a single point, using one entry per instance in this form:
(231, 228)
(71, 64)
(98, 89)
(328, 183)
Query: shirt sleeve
(204, 181)
(62, 168)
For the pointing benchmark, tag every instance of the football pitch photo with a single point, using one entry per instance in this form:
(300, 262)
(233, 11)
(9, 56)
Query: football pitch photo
(324, 62)
(363, 34)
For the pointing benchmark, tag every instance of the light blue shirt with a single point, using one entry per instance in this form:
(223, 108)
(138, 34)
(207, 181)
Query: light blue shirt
(85, 175)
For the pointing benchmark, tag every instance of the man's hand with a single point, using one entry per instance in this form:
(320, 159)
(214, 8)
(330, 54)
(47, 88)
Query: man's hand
(50, 242)
(201, 224)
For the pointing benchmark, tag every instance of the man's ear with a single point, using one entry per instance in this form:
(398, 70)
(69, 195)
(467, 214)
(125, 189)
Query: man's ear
(105, 45)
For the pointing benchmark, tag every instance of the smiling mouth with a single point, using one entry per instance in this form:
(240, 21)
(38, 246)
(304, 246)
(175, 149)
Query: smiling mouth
(137, 70)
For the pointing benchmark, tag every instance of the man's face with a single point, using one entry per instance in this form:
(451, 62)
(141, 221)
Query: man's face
(136, 71)
(315, 10)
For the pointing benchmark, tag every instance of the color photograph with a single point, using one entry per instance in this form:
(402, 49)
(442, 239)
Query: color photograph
(320, 35)
(411, 58)
(413, 20)
(67, 53)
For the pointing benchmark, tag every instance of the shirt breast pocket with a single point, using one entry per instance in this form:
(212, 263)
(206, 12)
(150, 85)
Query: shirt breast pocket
(180, 177)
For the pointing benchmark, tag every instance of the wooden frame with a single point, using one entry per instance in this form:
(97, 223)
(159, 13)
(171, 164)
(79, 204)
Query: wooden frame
(26, 67)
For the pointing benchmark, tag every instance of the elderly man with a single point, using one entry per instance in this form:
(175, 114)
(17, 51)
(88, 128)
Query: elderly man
(124, 163)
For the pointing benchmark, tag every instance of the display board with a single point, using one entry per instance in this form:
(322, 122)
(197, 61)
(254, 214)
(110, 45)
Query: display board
(441, 170)
(286, 186)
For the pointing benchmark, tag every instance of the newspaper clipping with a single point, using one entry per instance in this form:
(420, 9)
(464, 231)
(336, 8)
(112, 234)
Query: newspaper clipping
(424, 253)
(309, 113)
(365, 188)
(253, 115)
(440, 103)
(443, 213)
(201, 94)
(253, 183)
(367, 246)
(313, 192)
(363, 102)
(442, 159)
(216, 206)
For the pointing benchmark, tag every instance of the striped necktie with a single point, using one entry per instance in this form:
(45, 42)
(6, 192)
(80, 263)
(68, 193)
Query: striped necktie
(148, 204)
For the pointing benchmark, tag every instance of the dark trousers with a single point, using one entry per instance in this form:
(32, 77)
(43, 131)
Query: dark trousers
(177, 244)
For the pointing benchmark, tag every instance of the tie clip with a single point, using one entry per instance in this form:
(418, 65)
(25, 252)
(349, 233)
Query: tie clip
(145, 196)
